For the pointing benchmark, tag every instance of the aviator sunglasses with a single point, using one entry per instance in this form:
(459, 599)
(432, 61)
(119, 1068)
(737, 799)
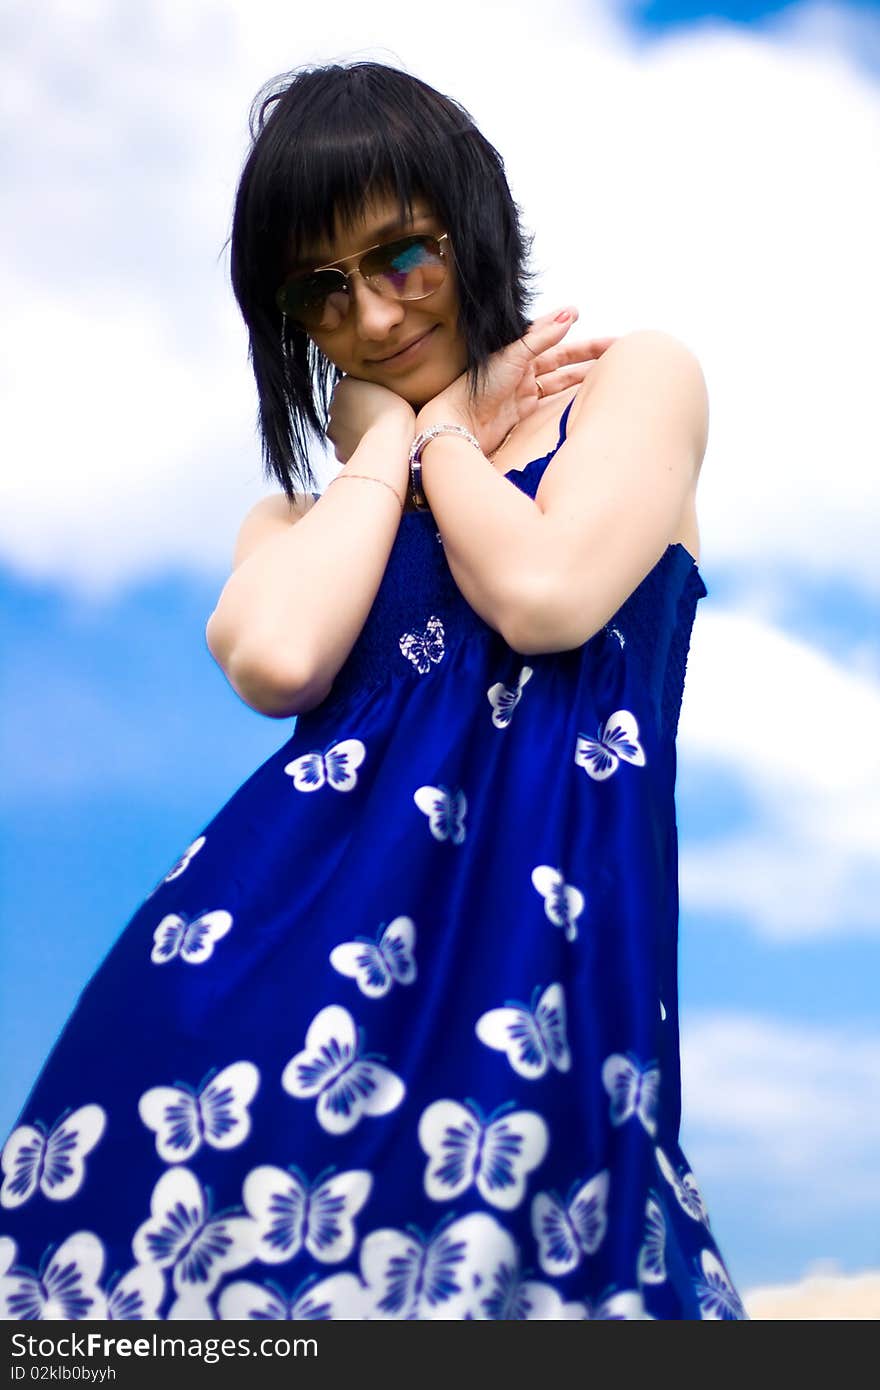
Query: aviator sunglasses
(411, 267)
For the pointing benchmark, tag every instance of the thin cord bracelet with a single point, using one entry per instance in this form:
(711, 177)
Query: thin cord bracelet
(341, 477)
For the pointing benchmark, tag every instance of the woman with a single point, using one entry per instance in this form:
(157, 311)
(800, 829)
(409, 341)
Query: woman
(396, 1037)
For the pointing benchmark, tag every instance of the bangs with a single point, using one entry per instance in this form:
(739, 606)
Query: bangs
(325, 158)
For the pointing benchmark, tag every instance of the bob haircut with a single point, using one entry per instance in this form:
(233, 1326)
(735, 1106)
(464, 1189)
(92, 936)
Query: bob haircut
(335, 135)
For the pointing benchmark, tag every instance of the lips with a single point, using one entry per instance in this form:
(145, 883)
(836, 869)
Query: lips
(404, 346)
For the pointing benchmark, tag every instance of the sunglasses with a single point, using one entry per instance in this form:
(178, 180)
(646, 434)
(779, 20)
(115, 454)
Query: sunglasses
(410, 268)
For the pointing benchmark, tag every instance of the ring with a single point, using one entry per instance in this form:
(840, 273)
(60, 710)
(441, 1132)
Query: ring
(541, 392)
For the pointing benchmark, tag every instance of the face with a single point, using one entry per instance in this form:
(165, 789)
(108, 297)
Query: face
(367, 342)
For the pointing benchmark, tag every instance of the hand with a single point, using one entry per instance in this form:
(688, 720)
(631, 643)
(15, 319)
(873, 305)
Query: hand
(510, 393)
(356, 406)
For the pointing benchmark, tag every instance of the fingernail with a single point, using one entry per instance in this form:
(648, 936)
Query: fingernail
(561, 318)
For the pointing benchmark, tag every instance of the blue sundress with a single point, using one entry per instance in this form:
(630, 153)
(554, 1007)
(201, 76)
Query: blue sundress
(397, 1034)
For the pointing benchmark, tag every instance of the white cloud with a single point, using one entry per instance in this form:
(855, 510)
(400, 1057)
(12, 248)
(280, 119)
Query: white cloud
(786, 1112)
(712, 184)
(818, 1298)
(801, 735)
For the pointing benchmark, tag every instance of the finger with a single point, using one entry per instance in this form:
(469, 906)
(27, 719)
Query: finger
(581, 351)
(547, 330)
(564, 377)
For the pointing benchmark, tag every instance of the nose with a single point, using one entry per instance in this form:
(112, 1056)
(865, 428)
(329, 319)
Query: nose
(375, 315)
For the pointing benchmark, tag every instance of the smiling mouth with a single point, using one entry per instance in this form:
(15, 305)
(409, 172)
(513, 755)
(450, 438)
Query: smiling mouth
(377, 361)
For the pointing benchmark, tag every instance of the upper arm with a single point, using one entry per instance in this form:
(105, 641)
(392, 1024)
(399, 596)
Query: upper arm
(267, 518)
(614, 494)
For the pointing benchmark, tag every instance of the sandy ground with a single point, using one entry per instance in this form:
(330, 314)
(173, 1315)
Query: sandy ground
(818, 1296)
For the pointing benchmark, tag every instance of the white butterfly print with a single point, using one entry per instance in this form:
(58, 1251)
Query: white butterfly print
(181, 1235)
(290, 1215)
(662, 1012)
(512, 1298)
(409, 1276)
(216, 1114)
(563, 903)
(685, 1188)
(632, 1091)
(66, 1288)
(336, 766)
(445, 810)
(505, 700)
(8, 1251)
(348, 1085)
(192, 1306)
(719, 1300)
(377, 964)
(565, 1233)
(193, 941)
(533, 1038)
(424, 648)
(342, 1296)
(626, 1306)
(619, 738)
(136, 1297)
(177, 869)
(497, 1154)
(52, 1162)
(652, 1263)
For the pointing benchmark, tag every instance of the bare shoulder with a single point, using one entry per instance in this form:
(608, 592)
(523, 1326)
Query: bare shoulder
(651, 370)
(648, 357)
(266, 518)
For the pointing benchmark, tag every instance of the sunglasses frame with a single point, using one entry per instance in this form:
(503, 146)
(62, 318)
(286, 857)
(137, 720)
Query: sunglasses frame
(358, 257)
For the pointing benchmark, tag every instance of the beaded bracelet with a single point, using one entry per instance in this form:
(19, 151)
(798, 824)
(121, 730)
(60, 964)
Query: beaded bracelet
(370, 479)
(420, 502)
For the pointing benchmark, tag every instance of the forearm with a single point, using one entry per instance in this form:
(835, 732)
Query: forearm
(490, 529)
(291, 612)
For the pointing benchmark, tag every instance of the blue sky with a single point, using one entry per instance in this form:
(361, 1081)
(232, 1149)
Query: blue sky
(742, 225)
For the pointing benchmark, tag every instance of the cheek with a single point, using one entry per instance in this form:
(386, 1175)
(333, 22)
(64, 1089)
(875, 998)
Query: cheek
(333, 347)
(448, 301)
(446, 305)
(449, 291)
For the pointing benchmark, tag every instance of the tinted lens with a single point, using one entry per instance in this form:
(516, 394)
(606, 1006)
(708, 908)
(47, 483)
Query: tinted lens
(411, 268)
(318, 300)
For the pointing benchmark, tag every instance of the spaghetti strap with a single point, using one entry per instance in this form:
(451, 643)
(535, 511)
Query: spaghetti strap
(563, 423)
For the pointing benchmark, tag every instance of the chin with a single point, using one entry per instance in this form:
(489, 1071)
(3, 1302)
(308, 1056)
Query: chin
(423, 389)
